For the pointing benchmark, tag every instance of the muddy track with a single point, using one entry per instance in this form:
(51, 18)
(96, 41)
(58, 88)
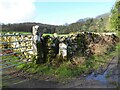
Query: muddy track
(108, 78)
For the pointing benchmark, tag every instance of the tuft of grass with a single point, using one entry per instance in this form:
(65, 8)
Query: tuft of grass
(64, 71)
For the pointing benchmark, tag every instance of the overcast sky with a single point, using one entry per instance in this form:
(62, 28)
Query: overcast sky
(55, 12)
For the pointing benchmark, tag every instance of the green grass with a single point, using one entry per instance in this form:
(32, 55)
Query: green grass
(58, 34)
(10, 60)
(66, 69)
(96, 60)
(63, 71)
(31, 33)
(18, 32)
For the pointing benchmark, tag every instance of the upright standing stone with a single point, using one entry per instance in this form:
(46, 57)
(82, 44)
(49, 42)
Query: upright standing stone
(38, 45)
(56, 44)
(41, 49)
(35, 38)
(62, 49)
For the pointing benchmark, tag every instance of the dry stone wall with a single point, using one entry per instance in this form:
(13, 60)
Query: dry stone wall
(52, 49)
(17, 44)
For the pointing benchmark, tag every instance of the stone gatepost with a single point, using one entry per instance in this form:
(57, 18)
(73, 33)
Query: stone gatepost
(38, 44)
(35, 38)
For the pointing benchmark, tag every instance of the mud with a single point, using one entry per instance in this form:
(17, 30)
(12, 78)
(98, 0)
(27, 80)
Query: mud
(107, 78)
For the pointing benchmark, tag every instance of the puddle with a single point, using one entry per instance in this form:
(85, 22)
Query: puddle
(100, 77)
(109, 77)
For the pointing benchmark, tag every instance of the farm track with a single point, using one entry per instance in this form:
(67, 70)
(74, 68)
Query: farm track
(79, 82)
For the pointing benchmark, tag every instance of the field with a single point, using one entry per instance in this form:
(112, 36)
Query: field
(31, 33)
(18, 32)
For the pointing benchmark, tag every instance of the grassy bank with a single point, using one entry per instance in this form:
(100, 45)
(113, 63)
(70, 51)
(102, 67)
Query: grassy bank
(67, 69)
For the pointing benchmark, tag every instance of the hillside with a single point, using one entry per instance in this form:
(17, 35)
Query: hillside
(98, 24)
(27, 27)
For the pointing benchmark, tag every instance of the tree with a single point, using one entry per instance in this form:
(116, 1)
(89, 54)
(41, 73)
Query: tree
(66, 24)
(115, 17)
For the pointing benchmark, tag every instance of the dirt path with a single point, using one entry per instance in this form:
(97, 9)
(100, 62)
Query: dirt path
(107, 79)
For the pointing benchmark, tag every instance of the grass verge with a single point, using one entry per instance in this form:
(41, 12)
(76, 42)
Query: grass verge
(67, 69)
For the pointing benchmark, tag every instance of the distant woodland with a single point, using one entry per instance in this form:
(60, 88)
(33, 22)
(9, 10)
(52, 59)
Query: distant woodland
(98, 24)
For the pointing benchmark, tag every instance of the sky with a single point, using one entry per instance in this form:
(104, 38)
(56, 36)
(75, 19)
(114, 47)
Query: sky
(54, 12)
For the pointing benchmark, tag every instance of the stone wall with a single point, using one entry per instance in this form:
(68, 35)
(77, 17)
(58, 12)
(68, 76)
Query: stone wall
(52, 49)
(17, 44)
